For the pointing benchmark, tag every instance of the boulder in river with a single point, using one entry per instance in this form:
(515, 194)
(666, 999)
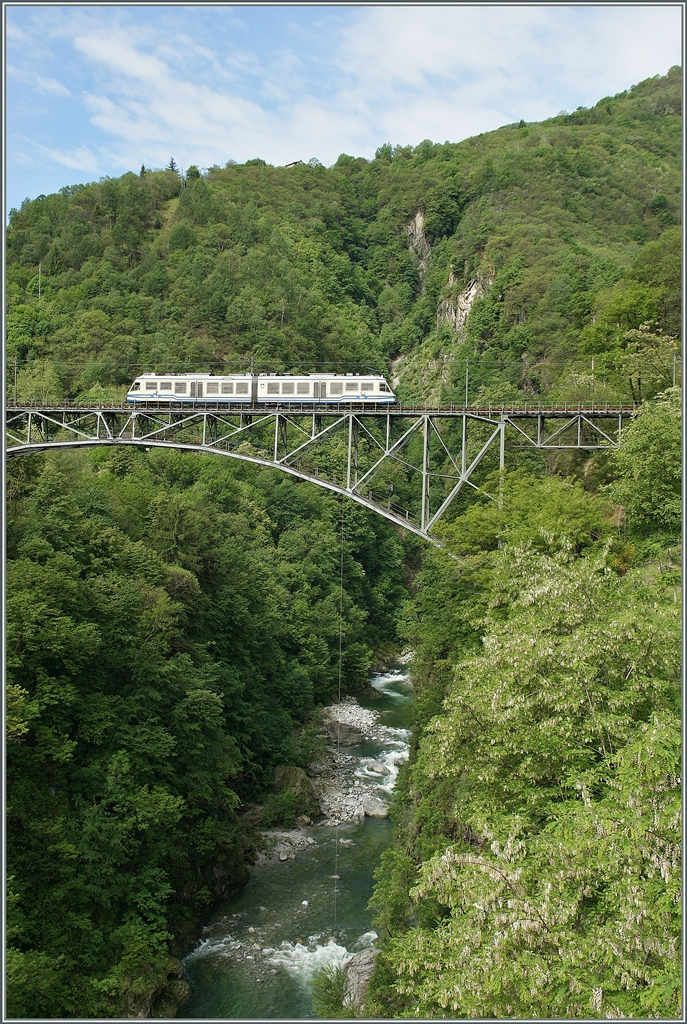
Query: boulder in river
(343, 733)
(378, 768)
(374, 807)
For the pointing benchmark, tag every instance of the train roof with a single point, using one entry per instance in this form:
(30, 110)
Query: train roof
(151, 374)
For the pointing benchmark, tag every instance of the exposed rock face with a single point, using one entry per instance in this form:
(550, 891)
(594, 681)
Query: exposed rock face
(358, 973)
(417, 241)
(416, 235)
(454, 310)
(165, 999)
(291, 777)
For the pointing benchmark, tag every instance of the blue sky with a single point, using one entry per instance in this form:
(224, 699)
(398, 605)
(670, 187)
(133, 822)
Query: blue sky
(98, 90)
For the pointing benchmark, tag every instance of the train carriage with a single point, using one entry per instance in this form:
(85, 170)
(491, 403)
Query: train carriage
(260, 389)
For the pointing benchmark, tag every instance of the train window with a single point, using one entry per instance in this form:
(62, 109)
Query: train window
(367, 386)
(336, 388)
(287, 389)
(273, 389)
(151, 385)
(212, 389)
(303, 389)
(382, 386)
(165, 385)
(227, 387)
(136, 386)
(241, 389)
(351, 387)
(179, 389)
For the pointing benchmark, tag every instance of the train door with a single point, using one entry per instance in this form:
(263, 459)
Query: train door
(200, 389)
(319, 391)
(254, 390)
(193, 389)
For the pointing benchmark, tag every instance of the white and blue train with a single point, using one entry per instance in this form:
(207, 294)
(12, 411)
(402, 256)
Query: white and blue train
(262, 388)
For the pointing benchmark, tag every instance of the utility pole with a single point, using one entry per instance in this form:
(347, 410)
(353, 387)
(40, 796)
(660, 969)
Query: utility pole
(466, 380)
(39, 280)
(674, 361)
(15, 380)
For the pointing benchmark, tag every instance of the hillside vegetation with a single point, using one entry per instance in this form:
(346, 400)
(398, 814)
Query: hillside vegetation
(173, 619)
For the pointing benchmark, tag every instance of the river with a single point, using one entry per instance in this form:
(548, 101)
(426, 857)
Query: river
(260, 950)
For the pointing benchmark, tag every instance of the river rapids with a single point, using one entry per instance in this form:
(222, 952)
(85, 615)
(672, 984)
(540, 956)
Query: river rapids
(305, 904)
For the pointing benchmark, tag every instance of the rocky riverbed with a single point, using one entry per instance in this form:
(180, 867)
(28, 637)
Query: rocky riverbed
(305, 905)
(347, 784)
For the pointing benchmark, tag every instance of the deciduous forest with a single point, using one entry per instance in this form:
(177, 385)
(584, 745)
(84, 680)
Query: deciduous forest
(173, 619)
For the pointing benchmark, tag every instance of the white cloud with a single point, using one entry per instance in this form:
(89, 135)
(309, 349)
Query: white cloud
(38, 82)
(79, 159)
(559, 45)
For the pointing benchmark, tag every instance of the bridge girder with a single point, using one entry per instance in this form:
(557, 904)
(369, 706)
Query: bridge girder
(345, 450)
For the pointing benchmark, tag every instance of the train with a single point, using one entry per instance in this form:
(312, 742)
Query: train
(261, 388)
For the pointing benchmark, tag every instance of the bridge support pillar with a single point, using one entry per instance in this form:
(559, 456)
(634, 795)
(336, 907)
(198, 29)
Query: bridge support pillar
(349, 460)
(502, 458)
(424, 514)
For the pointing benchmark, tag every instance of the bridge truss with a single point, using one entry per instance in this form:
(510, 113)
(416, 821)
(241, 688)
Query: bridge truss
(410, 465)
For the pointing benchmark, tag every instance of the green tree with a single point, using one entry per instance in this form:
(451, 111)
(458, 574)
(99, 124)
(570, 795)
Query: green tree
(649, 464)
(560, 744)
(37, 383)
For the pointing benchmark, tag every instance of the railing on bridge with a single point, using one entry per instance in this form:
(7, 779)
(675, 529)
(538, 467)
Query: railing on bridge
(410, 464)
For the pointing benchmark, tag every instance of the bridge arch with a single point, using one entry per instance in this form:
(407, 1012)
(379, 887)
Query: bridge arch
(397, 520)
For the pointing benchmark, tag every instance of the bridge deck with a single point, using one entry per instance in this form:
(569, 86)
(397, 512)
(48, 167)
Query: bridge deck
(328, 409)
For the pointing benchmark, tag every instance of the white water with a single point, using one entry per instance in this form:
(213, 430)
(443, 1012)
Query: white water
(259, 954)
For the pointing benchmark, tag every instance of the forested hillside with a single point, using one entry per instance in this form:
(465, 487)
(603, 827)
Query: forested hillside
(173, 619)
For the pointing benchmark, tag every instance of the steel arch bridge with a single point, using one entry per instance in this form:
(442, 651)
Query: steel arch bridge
(354, 451)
